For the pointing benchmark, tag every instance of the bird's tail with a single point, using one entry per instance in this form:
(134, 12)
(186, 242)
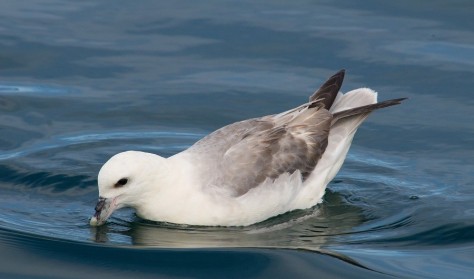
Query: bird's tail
(349, 111)
(364, 110)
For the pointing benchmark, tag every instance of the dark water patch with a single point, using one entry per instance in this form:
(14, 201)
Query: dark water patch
(15, 137)
(407, 263)
(38, 60)
(232, 40)
(454, 15)
(94, 261)
(445, 235)
(43, 181)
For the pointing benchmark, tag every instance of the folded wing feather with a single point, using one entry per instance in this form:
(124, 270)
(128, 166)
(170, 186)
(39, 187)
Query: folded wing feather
(241, 156)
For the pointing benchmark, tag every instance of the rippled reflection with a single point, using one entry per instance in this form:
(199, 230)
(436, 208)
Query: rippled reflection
(308, 229)
(59, 204)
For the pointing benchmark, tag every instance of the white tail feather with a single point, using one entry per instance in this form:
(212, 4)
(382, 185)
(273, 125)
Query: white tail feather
(352, 99)
(341, 134)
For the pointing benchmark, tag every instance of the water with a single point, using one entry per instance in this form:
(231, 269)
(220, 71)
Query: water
(81, 81)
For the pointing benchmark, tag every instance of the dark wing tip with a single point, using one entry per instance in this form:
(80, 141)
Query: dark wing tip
(389, 103)
(328, 91)
(399, 100)
(366, 109)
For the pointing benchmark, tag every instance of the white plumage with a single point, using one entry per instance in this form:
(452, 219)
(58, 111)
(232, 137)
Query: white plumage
(246, 172)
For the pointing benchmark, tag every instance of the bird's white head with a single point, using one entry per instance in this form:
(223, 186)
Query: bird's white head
(124, 181)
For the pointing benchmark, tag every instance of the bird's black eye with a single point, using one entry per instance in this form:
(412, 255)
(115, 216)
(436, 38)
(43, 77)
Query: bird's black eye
(121, 182)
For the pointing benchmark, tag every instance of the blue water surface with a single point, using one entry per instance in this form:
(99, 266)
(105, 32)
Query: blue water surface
(83, 80)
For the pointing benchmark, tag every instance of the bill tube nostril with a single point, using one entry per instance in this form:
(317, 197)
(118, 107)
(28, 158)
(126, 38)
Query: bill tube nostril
(100, 205)
(95, 219)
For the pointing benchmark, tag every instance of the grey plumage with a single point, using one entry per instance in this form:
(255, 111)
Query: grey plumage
(246, 153)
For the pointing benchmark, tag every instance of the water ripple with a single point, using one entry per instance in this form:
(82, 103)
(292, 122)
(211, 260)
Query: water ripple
(35, 90)
(56, 203)
(63, 141)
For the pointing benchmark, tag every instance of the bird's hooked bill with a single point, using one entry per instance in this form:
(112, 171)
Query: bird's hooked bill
(103, 209)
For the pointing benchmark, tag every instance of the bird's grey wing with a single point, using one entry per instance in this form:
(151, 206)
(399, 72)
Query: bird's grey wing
(246, 153)
(213, 146)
